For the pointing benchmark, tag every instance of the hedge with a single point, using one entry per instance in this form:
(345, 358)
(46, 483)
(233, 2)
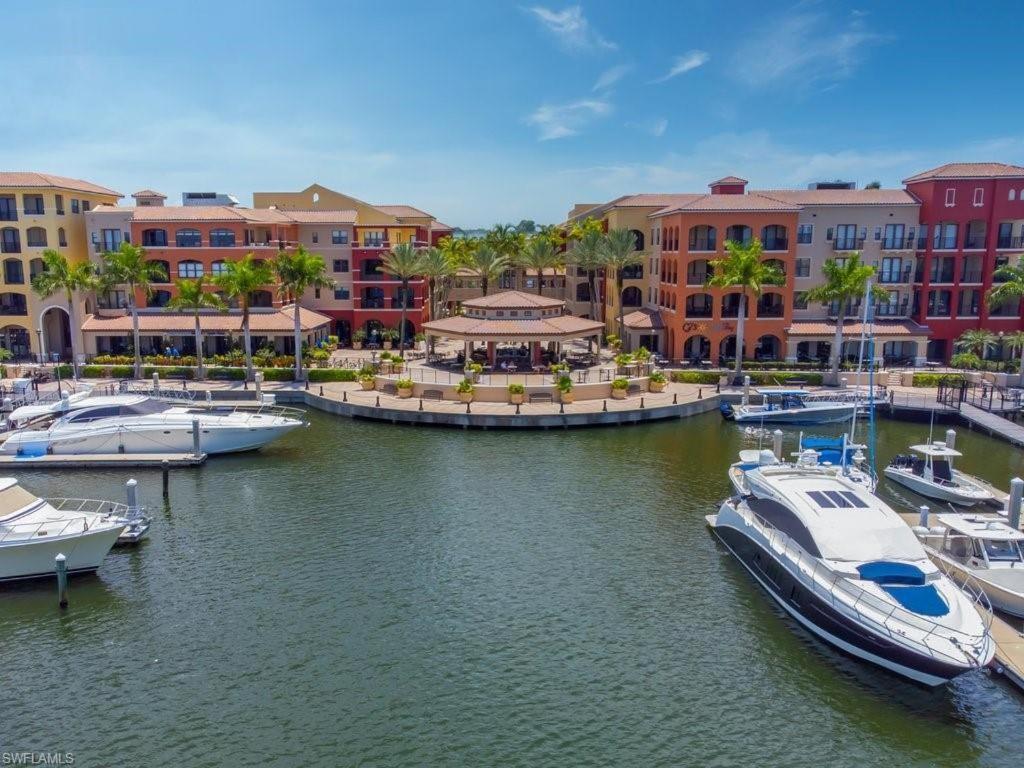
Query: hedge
(696, 377)
(934, 379)
(760, 378)
(277, 374)
(231, 374)
(320, 375)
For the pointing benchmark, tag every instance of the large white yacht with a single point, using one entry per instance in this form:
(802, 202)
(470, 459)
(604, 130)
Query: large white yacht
(33, 532)
(134, 423)
(848, 569)
(792, 406)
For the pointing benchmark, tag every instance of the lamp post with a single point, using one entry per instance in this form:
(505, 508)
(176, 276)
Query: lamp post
(39, 341)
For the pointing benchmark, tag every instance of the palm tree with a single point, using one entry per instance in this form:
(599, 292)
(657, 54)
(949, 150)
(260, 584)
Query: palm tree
(129, 266)
(191, 297)
(508, 242)
(618, 251)
(487, 264)
(977, 341)
(540, 254)
(296, 271)
(1011, 287)
(61, 275)
(845, 282)
(240, 280)
(586, 255)
(405, 262)
(438, 268)
(742, 268)
(1016, 342)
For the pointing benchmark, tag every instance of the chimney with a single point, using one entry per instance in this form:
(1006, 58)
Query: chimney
(730, 185)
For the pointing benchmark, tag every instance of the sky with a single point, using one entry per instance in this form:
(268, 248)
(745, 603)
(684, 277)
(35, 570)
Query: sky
(484, 111)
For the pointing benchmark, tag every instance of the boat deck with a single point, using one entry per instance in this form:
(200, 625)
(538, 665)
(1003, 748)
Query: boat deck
(92, 460)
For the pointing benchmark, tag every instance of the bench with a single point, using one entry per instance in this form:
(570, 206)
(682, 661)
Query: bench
(432, 394)
(541, 397)
(389, 389)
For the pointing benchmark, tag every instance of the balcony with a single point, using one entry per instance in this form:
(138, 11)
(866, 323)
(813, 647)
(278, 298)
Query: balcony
(776, 244)
(1008, 241)
(899, 309)
(944, 244)
(894, 276)
(898, 243)
(382, 244)
(848, 243)
(703, 244)
(852, 309)
(971, 276)
(701, 312)
(385, 304)
(974, 243)
(922, 243)
(697, 279)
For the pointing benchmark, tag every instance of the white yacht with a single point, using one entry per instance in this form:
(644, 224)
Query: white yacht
(141, 424)
(840, 453)
(982, 549)
(848, 569)
(33, 532)
(791, 406)
(46, 407)
(932, 475)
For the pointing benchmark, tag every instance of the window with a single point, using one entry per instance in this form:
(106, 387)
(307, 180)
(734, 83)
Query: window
(950, 197)
(893, 236)
(944, 237)
(190, 269)
(110, 239)
(316, 293)
(341, 265)
(8, 208)
(340, 237)
(828, 234)
(33, 205)
(74, 205)
(60, 204)
(878, 233)
(939, 303)
(218, 268)
(802, 267)
(979, 197)
(62, 237)
(846, 237)
(188, 238)
(1013, 194)
(316, 239)
(341, 294)
(36, 237)
(800, 300)
(804, 233)
(154, 237)
(14, 273)
(222, 238)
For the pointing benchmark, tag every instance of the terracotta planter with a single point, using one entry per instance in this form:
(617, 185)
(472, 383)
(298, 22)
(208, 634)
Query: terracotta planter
(387, 345)
(517, 399)
(367, 384)
(357, 345)
(465, 397)
(619, 394)
(567, 397)
(397, 367)
(404, 393)
(658, 386)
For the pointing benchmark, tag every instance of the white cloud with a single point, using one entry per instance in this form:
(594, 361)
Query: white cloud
(556, 121)
(809, 47)
(658, 127)
(571, 28)
(610, 77)
(683, 64)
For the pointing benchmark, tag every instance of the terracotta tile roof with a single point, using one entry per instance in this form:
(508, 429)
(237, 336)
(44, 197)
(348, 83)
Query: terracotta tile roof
(748, 202)
(647, 200)
(969, 171)
(437, 226)
(513, 300)
(403, 210)
(562, 326)
(729, 180)
(644, 319)
(840, 196)
(49, 181)
(320, 217)
(280, 320)
(149, 193)
(170, 213)
(828, 329)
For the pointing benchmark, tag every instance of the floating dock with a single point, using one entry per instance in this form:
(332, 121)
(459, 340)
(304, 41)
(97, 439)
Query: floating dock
(93, 460)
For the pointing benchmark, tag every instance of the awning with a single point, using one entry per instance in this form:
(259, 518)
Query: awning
(644, 320)
(556, 328)
(278, 321)
(886, 329)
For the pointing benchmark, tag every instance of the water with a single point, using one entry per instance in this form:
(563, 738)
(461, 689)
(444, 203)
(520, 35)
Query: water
(364, 594)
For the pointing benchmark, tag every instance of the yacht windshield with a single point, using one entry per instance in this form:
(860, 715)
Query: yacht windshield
(1002, 551)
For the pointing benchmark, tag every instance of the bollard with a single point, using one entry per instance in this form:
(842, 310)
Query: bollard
(184, 385)
(467, 407)
(259, 385)
(307, 385)
(132, 491)
(675, 398)
(922, 516)
(604, 406)
(421, 404)
(209, 397)
(344, 395)
(746, 390)
(321, 390)
(165, 470)
(951, 438)
(1013, 505)
(245, 385)
(561, 407)
(156, 382)
(517, 409)
(843, 382)
(700, 394)
(196, 447)
(641, 403)
(62, 580)
(378, 401)
(777, 444)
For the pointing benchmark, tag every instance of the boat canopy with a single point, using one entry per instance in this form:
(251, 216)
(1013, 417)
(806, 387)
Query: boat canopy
(981, 527)
(13, 499)
(935, 450)
(779, 391)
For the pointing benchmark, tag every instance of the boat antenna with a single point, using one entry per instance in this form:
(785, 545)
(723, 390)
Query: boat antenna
(931, 425)
(869, 323)
(860, 354)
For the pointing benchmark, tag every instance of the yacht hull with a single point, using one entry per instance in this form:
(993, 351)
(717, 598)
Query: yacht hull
(795, 416)
(34, 559)
(822, 620)
(1002, 599)
(923, 487)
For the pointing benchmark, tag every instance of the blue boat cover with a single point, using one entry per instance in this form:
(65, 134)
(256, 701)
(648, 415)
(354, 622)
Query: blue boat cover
(889, 572)
(925, 600)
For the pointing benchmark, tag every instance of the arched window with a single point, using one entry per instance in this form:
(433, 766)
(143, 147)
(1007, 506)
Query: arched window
(262, 299)
(638, 239)
(188, 238)
(166, 270)
(1013, 194)
(738, 233)
(10, 240)
(731, 305)
(773, 237)
(222, 238)
(154, 238)
(632, 297)
(158, 299)
(703, 238)
(770, 305)
(699, 305)
(36, 267)
(62, 237)
(777, 263)
(582, 292)
(218, 267)
(36, 237)
(13, 304)
(698, 272)
(190, 269)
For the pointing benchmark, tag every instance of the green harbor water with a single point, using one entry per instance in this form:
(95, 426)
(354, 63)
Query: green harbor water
(369, 595)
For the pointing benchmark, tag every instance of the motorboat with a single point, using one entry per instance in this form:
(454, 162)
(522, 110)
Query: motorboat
(847, 568)
(791, 406)
(138, 423)
(840, 453)
(33, 532)
(981, 550)
(47, 407)
(931, 474)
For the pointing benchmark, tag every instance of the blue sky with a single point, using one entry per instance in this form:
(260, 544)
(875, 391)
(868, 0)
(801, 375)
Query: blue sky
(491, 111)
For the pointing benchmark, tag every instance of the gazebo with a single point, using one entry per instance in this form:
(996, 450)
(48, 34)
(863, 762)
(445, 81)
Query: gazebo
(525, 321)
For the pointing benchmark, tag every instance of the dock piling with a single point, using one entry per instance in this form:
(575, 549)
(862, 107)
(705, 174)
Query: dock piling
(922, 518)
(62, 580)
(165, 470)
(196, 447)
(156, 382)
(1013, 505)
(641, 403)
(951, 438)
(746, 390)
(132, 492)
(344, 396)
(259, 386)
(209, 397)
(777, 444)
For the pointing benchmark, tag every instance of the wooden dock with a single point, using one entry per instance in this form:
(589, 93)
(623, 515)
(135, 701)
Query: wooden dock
(94, 460)
(995, 425)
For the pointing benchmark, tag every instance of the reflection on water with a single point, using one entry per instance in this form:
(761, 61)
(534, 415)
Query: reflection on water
(366, 594)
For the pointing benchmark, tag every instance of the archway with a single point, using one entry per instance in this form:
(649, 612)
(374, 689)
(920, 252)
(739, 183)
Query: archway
(632, 297)
(343, 330)
(768, 347)
(55, 324)
(373, 330)
(410, 332)
(697, 348)
(727, 348)
(17, 341)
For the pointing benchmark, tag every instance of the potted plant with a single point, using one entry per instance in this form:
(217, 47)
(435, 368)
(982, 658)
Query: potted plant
(389, 335)
(565, 392)
(473, 371)
(397, 362)
(516, 394)
(367, 377)
(358, 338)
(465, 389)
(613, 341)
(657, 381)
(620, 387)
(404, 387)
(421, 341)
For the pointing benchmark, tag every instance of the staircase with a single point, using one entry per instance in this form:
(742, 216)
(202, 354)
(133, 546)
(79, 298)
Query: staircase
(894, 379)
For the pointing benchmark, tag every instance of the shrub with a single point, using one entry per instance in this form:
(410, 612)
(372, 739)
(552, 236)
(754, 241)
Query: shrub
(367, 372)
(770, 378)
(967, 361)
(64, 370)
(475, 368)
(319, 355)
(278, 374)
(320, 375)
(464, 386)
(620, 384)
(94, 372)
(231, 374)
(564, 384)
(934, 379)
(657, 377)
(404, 384)
(643, 354)
(623, 360)
(112, 359)
(516, 389)
(385, 355)
(122, 372)
(695, 377)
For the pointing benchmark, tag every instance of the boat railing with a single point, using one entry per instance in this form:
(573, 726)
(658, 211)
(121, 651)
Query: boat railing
(251, 411)
(841, 593)
(91, 506)
(31, 530)
(158, 393)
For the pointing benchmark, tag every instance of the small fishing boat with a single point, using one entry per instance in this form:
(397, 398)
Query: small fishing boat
(791, 406)
(982, 551)
(932, 475)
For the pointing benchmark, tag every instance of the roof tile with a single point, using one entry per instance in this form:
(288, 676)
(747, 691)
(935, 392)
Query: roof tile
(49, 181)
(968, 171)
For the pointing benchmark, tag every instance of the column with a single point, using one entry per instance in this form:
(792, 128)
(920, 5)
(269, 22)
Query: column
(791, 353)
(491, 349)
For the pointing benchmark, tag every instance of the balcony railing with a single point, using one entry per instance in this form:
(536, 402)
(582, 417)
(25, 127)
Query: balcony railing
(971, 276)
(697, 278)
(385, 304)
(848, 243)
(894, 276)
(700, 313)
(852, 309)
(1008, 241)
(922, 243)
(703, 244)
(899, 309)
(974, 242)
(775, 310)
(34, 211)
(8, 215)
(898, 243)
(944, 277)
(776, 244)
(944, 244)
(13, 309)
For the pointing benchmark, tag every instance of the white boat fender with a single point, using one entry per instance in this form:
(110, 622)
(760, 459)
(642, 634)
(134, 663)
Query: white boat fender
(919, 530)
(937, 530)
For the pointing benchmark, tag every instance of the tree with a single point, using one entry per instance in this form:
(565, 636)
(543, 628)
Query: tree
(458, 250)
(587, 255)
(589, 224)
(487, 264)
(540, 254)
(1011, 287)
(129, 266)
(1016, 342)
(504, 239)
(438, 269)
(403, 261)
(526, 226)
(618, 251)
(192, 297)
(61, 275)
(845, 282)
(240, 280)
(554, 233)
(977, 341)
(297, 271)
(742, 268)
(873, 185)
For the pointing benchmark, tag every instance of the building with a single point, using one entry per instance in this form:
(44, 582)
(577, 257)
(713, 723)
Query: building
(40, 211)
